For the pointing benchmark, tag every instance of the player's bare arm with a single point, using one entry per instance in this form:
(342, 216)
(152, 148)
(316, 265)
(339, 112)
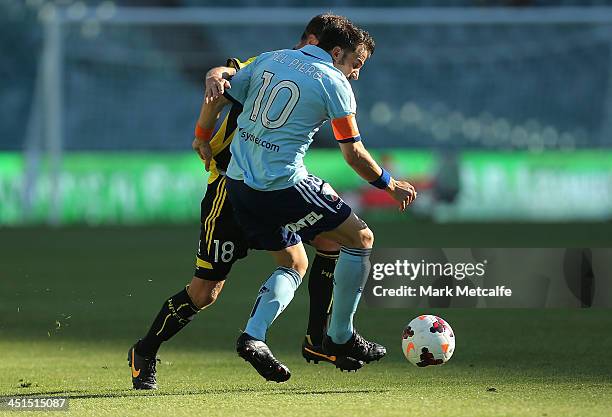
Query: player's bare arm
(360, 160)
(217, 81)
(209, 113)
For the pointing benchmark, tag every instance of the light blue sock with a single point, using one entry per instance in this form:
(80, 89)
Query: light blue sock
(350, 276)
(276, 294)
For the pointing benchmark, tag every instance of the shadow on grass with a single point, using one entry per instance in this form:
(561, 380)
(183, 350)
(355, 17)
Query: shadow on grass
(327, 391)
(79, 394)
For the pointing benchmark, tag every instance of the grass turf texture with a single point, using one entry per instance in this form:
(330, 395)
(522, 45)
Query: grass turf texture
(73, 300)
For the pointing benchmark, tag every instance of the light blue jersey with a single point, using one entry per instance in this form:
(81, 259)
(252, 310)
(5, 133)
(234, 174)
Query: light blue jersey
(286, 96)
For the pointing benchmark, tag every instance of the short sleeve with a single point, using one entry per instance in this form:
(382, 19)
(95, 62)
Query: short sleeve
(341, 109)
(340, 99)
(240, 84)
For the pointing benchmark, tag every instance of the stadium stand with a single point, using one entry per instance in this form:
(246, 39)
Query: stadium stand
(468, 86)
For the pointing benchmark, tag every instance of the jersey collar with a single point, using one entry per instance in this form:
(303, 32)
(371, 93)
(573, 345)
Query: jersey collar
(316, 52)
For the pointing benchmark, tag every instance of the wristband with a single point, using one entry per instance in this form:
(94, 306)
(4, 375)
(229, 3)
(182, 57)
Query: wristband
(383, 181)
(203, 134)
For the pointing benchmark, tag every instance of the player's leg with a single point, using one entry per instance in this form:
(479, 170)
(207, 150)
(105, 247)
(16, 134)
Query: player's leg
(204, 292)
(320, 287)
(334, 220)
(278, 290)
(323, 211)
(221, 243)
(274, 295)
(350, 276)
(176, 312)
(263, 216)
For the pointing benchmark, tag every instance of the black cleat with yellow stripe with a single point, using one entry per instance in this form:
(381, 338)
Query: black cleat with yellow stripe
(143, 370)
(356, 347)
(314, 353)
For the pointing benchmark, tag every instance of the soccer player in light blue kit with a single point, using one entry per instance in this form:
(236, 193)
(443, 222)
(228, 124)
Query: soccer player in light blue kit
(287, 95)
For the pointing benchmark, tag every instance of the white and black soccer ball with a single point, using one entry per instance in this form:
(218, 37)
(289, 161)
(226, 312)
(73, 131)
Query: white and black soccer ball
(428, 340)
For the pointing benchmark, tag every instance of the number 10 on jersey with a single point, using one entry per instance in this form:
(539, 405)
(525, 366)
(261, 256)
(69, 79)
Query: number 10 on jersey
(288, 107)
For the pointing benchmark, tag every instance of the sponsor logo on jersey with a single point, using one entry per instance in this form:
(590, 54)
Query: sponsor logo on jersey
(249, 137)
(308, 220)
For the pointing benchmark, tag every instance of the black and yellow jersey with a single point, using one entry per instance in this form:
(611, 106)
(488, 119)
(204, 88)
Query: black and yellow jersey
(225, 133)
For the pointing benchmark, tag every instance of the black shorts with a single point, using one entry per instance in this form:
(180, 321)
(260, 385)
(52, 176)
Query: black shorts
(273, 220)
(222, 241)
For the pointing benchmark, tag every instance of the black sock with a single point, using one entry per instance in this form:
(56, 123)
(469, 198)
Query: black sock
(175, 314)
(320, 288)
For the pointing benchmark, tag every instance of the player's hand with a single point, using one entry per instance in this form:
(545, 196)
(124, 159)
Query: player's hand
(203, 150)
(215, 86)
(403, 192)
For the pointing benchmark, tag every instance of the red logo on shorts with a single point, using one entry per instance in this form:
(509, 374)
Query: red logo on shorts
(329, 193)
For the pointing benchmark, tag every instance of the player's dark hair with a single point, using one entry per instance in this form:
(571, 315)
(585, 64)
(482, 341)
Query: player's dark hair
(346, 35)
(368, 42)
(318, 23)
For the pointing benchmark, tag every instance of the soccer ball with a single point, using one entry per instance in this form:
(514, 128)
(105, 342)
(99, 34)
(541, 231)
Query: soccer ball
(428, 340)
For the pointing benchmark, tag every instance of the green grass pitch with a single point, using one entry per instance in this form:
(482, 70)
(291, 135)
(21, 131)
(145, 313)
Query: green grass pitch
(73, 300)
